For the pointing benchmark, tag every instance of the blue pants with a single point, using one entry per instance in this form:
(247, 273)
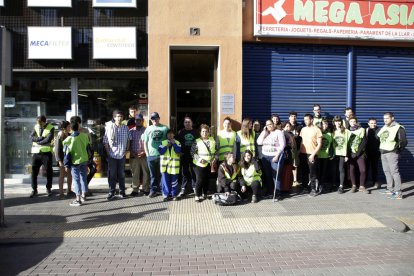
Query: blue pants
(79, 175)
(272, 172)
(116, 173)
(154, 169)
(169, 184)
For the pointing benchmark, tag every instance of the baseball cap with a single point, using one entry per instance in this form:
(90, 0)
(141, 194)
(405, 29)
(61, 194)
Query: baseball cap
(155, 115)
(139, 117)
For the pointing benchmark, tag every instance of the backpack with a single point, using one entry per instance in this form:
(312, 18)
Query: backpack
(226, 200)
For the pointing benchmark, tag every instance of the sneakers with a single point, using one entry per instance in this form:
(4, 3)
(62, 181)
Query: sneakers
(377, 186)
(386, 192)
(134, 194)
(353, 189)
(396, 195)
(313, 193)
(176, 198)
(202, 197)
(49, 192)
(181, 194)
(197, 199)
(83, 198)
(165, 199)
(110, 196)
(340, 190)
(33, 193)
(122, 195)
(362, 189)
(254, 199)
(75, 203)
(152, 194)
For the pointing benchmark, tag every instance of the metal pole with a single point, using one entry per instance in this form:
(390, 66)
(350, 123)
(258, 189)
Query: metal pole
(2, 153)
(74, 96)
(350, 78)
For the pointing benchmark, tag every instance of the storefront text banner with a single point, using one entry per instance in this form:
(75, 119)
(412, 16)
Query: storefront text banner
(49, 42)
(114, 43)
(373, 20)
(49, 3)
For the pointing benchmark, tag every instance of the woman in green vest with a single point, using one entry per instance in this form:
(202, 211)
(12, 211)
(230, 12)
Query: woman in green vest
(357, 143)
(227, 176)
(204, 156)
(246, 138)
(341, 141)
(250, 179)
(325, 156)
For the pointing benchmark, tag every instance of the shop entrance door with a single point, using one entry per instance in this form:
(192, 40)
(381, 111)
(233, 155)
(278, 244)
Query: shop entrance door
(193, 89)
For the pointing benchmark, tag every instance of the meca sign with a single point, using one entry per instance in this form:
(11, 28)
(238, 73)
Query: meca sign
(50, 42)
(388, 20)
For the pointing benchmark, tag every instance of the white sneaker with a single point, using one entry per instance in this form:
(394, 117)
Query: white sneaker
(196, 198)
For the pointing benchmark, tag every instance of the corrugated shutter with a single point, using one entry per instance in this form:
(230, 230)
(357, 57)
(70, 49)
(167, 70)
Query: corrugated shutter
(384, 81)
(282, 78)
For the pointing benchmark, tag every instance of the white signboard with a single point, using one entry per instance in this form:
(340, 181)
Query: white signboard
(115, 3)
(1, 3)
(227, 104)
(49, 3)
(9, 102)
(114, 43)
(49, 42)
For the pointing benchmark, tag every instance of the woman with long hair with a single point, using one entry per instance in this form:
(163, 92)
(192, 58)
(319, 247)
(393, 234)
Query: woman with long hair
(250, 180)
(357, 142)
(64, 130)
(341, 141)
(245, 138)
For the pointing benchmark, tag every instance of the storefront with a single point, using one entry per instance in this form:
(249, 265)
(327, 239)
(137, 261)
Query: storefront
(336, 54)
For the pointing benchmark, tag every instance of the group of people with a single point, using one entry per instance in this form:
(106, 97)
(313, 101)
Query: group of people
(254, 162)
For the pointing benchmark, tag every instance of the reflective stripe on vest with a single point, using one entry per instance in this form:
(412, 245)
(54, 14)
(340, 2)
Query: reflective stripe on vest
(387, 137)
(250, 175)
(247, 144)
(204, 153)
(36, 148)
(236, 170)
(226, 145)
(170, 160)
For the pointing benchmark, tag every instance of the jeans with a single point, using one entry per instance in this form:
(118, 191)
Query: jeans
(154, 170)
(116, 173)
(39, 159)
(79, 176)
(272, 172)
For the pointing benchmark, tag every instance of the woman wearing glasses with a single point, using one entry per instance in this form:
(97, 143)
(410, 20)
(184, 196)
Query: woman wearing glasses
(273, 142)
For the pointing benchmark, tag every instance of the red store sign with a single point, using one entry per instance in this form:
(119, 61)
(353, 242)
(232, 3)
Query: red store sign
(374, 20)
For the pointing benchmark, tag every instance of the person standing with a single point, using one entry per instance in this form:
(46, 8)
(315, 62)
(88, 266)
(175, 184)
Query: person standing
(290, 154)
(187, 136)
(317, 117)
(132, 112)
(357, 143)
(295, 130)
(116, 141)
(341, 143)
(170, 150)
(245, 139)
(348, 113)
(273, 142)
(309, 149)
(153, 137)
(78, 148)
(372, 151)
(138, 159)
(59, 156)
(203, 152)
(325, 156)
(393, 140)
(226, 139)
(42, 137)
(276, 121)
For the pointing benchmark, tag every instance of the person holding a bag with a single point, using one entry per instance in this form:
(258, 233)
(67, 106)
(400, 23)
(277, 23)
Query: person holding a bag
(250, 179)
(204, 157)
(76, 148)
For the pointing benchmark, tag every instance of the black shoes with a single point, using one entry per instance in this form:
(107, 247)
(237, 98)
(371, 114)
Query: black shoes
(33, 193)
(49, 192)
(122, 195)
(110, 196)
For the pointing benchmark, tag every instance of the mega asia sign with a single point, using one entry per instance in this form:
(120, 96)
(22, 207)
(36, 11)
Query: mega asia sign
(377, 20)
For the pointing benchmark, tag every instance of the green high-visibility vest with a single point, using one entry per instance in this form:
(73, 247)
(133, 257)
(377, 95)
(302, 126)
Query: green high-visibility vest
(226, 145)
(317, 121)
(356, 139)
(250, 175)
(170, 160)
(36, 148)
(204, 153)
(387, 135)
(341, 141)
(236, 170)
(247, 144)
(326, 144)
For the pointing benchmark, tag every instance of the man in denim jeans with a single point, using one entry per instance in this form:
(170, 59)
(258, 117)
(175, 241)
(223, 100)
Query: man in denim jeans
(116, 141)
(153, 137)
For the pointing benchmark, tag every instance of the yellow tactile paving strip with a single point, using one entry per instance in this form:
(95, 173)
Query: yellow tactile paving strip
(189, 218)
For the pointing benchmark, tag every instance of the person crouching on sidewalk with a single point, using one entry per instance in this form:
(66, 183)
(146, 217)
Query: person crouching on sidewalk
(227, 177)
(170, 150)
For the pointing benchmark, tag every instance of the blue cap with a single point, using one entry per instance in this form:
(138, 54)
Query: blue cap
(139, 117)
(155, 115)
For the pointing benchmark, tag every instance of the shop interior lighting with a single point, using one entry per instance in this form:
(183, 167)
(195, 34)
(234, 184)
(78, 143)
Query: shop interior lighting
(85, 90)
(102, 99)
(82, 95)
(187, 92)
